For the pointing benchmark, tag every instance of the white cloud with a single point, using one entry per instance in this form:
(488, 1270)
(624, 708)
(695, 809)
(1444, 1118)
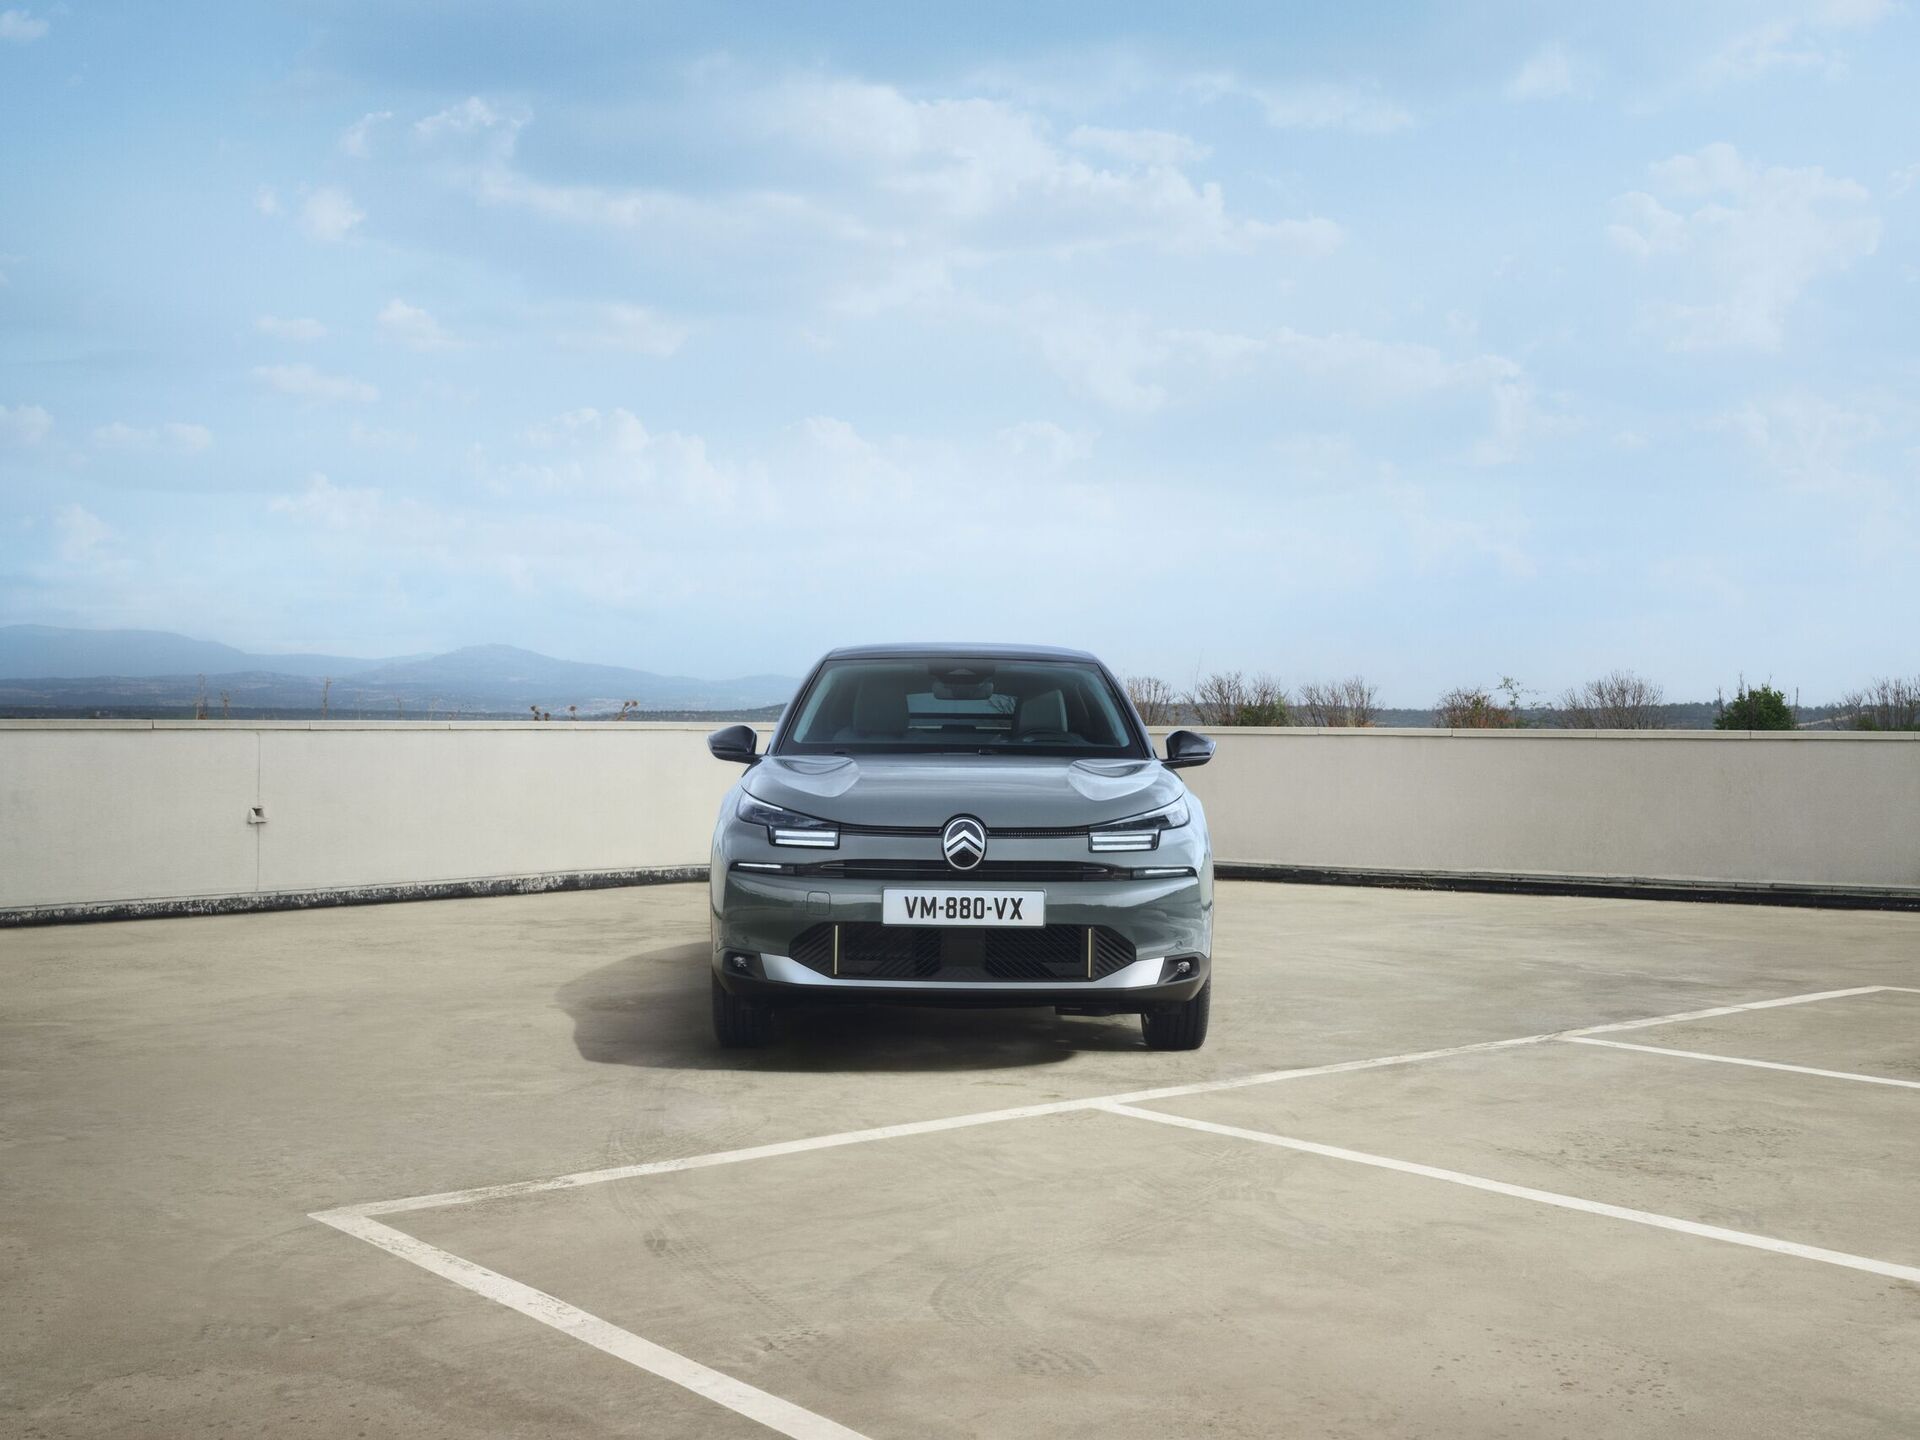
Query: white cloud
(619, 326)
(326, 504)
(1052, 446)
(1112, 359)
(290, 328)
(985, 172)
(1547, 74)
(1754, 240)
(81, 533)
(328, 213)
(21, 27)
(267, 200)
(470, 116)
(306, 383)
(1317, 105)
(357, 139)
(24, 424)
(1807, 440)
(175, 437)
(373, 437)
(1139, 147)
(594, 452)
(1802, 41)
(413, 327)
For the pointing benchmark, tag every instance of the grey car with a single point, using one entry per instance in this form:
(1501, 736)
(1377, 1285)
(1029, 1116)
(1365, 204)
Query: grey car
(962, 825)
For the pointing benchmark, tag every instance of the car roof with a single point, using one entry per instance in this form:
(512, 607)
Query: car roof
(938, 649)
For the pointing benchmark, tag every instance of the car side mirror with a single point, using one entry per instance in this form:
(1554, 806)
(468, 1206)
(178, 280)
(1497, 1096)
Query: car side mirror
(1187, 747)
(737, 743)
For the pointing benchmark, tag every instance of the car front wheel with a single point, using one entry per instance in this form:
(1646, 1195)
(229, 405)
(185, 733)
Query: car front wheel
(738, 1022)
(1181, 1026)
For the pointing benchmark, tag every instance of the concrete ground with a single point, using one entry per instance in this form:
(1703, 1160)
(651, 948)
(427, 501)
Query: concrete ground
(1551, 1238)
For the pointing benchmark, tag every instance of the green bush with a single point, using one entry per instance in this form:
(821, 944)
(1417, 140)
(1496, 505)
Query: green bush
(1761, 708)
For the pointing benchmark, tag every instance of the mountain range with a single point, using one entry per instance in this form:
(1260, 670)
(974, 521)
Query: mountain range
(47, 669)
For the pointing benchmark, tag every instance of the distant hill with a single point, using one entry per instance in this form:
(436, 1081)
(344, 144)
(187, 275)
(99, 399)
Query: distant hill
(49, 652)
(47, 670)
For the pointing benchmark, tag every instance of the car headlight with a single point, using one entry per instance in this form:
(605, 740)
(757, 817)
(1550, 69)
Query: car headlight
(788, 827)
(1138, 832)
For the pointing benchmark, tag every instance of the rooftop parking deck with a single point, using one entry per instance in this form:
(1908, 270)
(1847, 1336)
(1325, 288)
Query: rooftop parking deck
(1703, 1226)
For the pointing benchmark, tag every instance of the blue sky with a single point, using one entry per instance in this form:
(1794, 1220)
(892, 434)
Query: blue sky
(1433, 343)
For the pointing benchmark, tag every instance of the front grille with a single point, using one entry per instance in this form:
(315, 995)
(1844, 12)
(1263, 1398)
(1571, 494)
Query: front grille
(867, 951)
(1005, 832)
(940, 870)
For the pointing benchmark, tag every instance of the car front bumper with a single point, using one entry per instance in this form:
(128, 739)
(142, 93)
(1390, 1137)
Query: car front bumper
(1167, 920)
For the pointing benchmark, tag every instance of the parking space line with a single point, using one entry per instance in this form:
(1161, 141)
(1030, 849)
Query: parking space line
(1884, 1268)
(580, 1178)
(792, 1420)
(778, 1415)
(1741, 1060)
(1720, 1010)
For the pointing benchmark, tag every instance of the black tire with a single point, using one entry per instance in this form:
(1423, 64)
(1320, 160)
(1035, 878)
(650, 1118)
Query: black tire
(1182, 1026)
(740, 1023)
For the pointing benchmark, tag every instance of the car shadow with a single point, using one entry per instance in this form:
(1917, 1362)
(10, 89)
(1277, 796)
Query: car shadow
(652, 1010)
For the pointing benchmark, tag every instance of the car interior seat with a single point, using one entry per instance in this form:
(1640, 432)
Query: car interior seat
(879, 711)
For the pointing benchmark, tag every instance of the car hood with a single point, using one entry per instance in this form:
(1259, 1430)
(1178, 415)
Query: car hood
(929, 790)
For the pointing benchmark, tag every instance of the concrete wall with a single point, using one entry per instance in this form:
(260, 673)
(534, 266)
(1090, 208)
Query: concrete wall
(1805, 808)
(110, 811)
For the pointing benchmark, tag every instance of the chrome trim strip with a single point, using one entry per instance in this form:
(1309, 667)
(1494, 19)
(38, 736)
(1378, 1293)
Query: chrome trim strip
(789, 971)
(1128, 978)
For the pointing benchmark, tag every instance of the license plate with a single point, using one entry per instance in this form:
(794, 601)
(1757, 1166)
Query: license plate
(1023, 908)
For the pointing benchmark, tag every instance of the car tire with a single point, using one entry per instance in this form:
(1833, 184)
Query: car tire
(1181, 1026)
(738, 1022)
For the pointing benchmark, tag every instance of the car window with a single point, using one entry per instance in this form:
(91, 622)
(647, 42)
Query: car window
(960, 703)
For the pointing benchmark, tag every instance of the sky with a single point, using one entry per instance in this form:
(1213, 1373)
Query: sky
(1433, 343)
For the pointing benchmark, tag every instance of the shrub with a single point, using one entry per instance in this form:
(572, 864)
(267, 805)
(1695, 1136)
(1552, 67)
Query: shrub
(1343, 702)
(1472, 707)
(1619, 701)
(1153, 698)
(1890, 704)
(1230, 698)
(1761, 708)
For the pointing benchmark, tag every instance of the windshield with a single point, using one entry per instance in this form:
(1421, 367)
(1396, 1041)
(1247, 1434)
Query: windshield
(958, 703)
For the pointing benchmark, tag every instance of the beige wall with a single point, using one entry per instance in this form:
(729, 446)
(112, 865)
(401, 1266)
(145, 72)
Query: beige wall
(102, 811)
(1792, 807)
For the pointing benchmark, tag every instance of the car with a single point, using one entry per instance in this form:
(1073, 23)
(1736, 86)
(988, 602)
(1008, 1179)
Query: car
(977, 825)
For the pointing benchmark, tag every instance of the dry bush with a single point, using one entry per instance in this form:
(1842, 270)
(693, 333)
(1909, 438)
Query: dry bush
(1340, 702)
(1228, 697)
(1153, 698)
(1472, 707)
(1618, 701)
(1889, 704)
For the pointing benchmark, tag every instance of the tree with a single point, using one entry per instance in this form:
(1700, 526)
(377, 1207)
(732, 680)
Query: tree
(1229, 698)
(1889, 704)
(1342, 702)
(1617, 701)
(1153, 698)
(1472, 707)
(1761, 708)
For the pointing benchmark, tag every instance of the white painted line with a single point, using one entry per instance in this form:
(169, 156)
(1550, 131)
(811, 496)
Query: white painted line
(1728, 1010)
(1740, 1060)
(1884, 1268)
(779, 1415)
(701, 1162)
(581, 1178)
(791, 1420)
